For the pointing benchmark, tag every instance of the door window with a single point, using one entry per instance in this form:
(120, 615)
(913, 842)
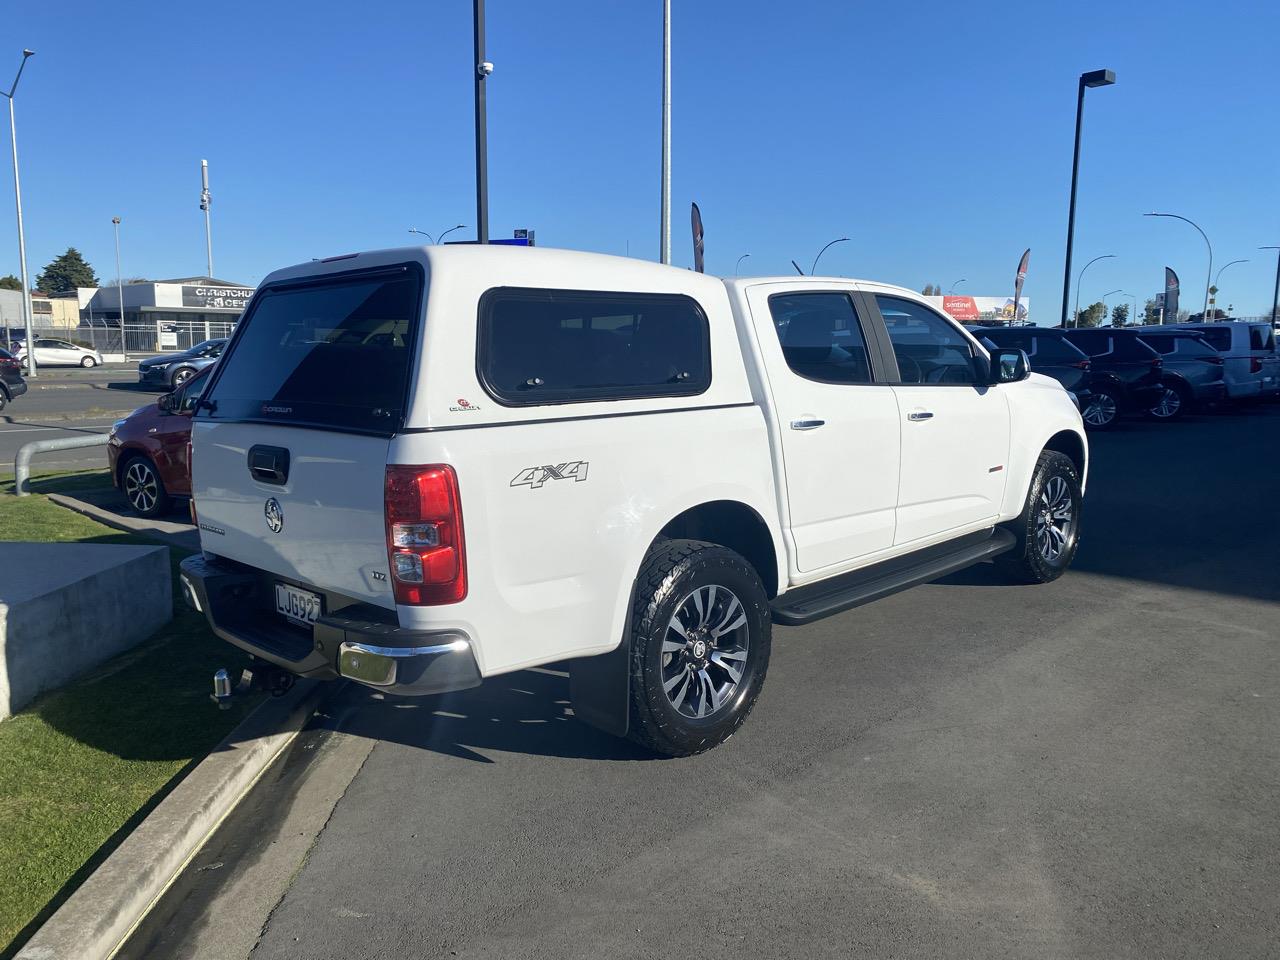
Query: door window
(821, 337)
(928, 348)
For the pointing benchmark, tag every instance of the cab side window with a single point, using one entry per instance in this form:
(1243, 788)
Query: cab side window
(927, 347)
(821, 337)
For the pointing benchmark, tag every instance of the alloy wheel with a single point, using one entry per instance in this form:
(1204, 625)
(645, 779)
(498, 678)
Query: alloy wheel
(704, 652)
(1169, 405)
(1055, 519)
(141, 486)
(1101, 410)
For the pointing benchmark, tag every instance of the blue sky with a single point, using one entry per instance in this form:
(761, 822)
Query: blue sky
(936, 135)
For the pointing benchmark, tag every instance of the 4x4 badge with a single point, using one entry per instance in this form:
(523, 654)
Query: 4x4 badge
(535, 477)
(274, 514)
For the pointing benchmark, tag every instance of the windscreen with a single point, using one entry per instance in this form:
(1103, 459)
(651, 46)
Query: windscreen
(335, 353)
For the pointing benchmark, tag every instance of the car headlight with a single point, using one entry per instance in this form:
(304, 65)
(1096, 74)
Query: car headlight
(116, 426)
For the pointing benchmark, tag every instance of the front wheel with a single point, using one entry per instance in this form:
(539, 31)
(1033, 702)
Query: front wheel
(700, 641)
(1048, 530)
(144, 489)
(181, 376)
(88, 363)
(1102, 411)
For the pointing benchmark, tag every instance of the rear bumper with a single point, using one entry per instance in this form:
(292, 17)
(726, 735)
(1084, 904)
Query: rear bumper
(15, 389)
(355, 640)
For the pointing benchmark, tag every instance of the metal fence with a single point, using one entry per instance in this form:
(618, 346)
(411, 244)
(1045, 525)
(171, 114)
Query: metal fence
(140, 339)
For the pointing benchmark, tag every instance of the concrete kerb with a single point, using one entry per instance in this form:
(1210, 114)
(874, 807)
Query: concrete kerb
(181, 535)
(104, 911)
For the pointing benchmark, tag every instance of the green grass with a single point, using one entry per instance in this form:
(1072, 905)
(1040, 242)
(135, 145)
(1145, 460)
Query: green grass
(82, 765)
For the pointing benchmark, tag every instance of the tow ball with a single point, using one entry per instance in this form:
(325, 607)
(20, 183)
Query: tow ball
(273, 680)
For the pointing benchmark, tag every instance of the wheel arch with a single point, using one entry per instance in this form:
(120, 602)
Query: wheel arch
(735, 525)
(1071, 445)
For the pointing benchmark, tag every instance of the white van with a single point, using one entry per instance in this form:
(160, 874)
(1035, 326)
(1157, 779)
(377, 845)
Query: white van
(1251, 368)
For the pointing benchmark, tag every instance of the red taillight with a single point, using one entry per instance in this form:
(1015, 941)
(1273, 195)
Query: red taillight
(1082, 364)
(1157, 362)
(425, 543)
(1255, 365)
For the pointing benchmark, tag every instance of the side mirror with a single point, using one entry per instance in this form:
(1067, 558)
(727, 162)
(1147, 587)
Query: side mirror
(165, 403)
(1009, 365)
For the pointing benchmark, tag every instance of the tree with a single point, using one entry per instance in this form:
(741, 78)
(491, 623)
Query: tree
(928, 290)
(1092, 315)
(1120, 315)
(10, 283)
(66, 273)
(1150, 312)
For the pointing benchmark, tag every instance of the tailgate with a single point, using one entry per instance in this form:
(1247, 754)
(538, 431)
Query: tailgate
(321, 524)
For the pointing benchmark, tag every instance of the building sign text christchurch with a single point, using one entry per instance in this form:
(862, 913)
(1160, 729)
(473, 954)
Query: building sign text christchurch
(235, 298)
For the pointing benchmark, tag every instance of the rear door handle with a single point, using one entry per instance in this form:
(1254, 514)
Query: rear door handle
(920, 415)
(807, 423)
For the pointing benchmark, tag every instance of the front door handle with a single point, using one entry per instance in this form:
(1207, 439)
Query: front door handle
(919, 415)
(807, 423)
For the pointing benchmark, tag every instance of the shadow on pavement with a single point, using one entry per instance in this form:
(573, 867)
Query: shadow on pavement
(526, 713)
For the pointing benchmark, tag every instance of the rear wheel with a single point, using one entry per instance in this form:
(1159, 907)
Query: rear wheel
(1173, 403)
(88, 362)
(1048, 531)
(1102, 411)
(700, 642)
(143, 488)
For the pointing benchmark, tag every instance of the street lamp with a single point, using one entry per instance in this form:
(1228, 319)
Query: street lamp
(124, 349)
(461, 226)
(956, 284)
(1133, 317)
(22, 242)
(1076, 313)
(1216, 286)
(1095, 78)
(739, 263)
(422, 233)
(1209, 276)
(824, 250)
(1275, 297)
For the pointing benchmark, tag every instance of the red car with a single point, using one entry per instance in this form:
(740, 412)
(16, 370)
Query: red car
(148, 450)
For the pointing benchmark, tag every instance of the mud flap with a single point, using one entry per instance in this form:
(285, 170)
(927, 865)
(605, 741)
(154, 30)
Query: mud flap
(600, 689)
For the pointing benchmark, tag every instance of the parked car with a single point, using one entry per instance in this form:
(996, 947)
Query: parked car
(149, 450)
(172, 370)
(1050, 353)
(51, 352)
(539, 455)
(1251, 368)
(11, 383)
(1125, 374)
(1191, 374)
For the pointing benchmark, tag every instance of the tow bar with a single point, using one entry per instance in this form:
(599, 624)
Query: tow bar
(273, 680)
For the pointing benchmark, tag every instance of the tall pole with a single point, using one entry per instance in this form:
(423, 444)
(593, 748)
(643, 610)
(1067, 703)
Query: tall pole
(483, 69)
(824, 250)
(956, 284)
(124, 348)
(1275, 297)
(205, 199)
(1218, 289)
(1075, 322)
(665, 215)
(1096, 78)
(22, 240)
(1208, 281)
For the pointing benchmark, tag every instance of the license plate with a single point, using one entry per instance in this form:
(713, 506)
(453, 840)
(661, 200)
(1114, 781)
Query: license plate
(300, 606)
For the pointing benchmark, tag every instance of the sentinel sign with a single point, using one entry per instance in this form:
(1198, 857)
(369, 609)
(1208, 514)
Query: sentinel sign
(233, 298)
(982, 309)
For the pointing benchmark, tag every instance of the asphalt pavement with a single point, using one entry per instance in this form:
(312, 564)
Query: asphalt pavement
(66, 402)
(968, 769)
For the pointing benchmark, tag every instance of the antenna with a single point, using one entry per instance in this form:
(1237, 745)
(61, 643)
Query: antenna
(797, 266)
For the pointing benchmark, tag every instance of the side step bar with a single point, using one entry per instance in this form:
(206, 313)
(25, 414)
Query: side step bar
(814, 601)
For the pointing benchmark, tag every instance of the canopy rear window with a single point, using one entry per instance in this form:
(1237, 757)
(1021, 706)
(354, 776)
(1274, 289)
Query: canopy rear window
(334, 352)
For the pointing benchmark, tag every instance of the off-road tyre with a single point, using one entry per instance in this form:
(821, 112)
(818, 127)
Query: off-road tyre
(1029, 561)
(672, 572)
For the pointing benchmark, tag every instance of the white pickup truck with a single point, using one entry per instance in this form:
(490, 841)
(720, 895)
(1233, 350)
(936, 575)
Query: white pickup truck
(418, 468)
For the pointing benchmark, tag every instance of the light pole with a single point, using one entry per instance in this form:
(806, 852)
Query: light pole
(1075, 322)
(824, 250)
(739, 263)
(422, 233)
(461, 226)
(205, 202)
(1109, 293)
(124, 349)
(954, 285)
(483, 69)
(1275, 297)
(1095, 78)
(1209, 276)
(1133, 317)
(22, 242)
(1216, 286)
(664, 215)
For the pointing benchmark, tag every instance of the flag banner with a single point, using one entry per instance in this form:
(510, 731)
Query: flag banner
(1019, 280)
(1170, 296)
(696, 217)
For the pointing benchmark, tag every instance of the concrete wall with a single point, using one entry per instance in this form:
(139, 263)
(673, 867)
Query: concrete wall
(66, 607)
